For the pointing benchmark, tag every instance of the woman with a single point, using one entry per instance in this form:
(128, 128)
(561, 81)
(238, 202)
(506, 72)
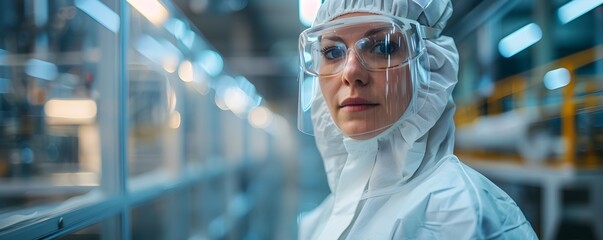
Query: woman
(375, 90)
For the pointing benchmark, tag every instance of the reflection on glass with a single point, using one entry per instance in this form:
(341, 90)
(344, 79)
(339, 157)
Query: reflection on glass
(198, 132)
(153, 121)
(100, 12)
(51, 85)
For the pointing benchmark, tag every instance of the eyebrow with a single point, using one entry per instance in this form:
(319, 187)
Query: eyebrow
(366, 34)
(376, 30)
(332, 38)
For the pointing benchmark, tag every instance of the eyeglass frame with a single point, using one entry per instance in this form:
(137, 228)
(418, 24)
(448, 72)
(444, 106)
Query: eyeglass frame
(405, 25)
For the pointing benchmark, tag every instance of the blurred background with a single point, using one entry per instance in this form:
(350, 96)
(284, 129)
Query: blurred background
(157, 119)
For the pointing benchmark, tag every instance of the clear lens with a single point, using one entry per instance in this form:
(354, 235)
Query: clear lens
(382, 50)
(383, 45)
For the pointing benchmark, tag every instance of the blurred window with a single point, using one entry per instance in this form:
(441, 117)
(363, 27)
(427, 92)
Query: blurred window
(57, 102)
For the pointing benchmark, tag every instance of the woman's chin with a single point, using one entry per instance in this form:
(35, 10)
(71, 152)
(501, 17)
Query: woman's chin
(361, 132)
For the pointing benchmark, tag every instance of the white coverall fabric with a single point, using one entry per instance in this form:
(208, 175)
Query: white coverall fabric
(406, 183)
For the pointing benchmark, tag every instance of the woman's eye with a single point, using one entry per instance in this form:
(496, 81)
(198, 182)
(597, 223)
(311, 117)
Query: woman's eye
(385, 48)
(333, 52)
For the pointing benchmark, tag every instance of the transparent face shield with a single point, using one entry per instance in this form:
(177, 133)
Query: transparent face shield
(366, 70)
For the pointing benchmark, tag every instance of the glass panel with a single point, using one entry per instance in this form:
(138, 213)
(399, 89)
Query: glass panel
(209, 203)
(199, 117)
(56, 104)
(164, 218)
(154, 141)
(258, 144)
(197, 220)
(232, 130)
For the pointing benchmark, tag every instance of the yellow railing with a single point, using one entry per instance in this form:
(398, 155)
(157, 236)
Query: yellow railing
(516, 86)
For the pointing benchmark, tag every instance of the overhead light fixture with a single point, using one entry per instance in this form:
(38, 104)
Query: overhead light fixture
(249, 89)
(260, 117)
(307, 11)
(181, 31)
(520, 40)
(185, 71)
(151, 9)
(557, 78)
(575, 9)
(222, 84)
(211, 62)
(70, 111)
(175, 120)
(236, 100)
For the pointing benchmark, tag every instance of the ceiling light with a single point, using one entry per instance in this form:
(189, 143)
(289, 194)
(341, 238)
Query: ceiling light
(307, 11)
(557, 78)
(150, 9)
(519, 40)
(575, 9)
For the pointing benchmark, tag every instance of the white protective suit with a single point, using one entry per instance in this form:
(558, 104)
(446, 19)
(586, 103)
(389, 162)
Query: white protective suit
(406, 183)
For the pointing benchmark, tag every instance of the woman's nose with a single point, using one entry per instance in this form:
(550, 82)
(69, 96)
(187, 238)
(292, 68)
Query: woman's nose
(353, 71)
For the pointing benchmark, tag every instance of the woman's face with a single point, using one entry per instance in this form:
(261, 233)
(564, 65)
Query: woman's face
(365, 103)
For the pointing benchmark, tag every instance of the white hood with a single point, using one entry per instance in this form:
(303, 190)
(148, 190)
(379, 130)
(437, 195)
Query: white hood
(413, 146)
(420, 138)
(406, 182)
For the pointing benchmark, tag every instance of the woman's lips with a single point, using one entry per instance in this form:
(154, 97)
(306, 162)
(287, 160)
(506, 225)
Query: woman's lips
(356, 105)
